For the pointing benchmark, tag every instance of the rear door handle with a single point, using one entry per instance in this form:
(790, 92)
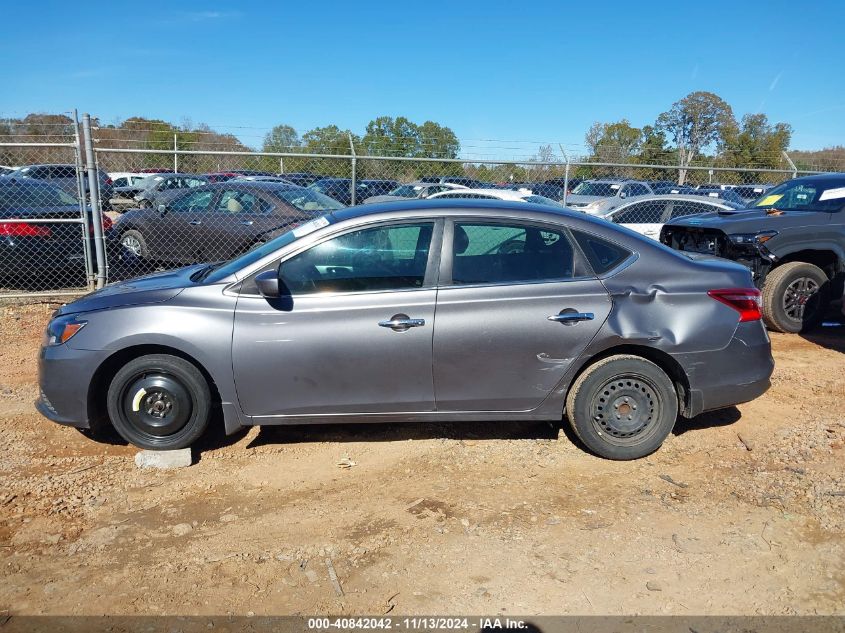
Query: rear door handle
(247, 222)
(195, 222)
(572, 317)
(401, 322)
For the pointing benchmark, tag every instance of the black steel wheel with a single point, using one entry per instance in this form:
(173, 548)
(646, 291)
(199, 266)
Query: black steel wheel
(159, 402)
(622, 407)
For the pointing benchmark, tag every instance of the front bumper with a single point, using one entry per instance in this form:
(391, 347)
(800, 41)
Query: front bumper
(64, 378)
(738, 373)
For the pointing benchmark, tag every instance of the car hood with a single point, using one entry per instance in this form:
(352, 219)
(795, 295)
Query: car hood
(751, 220)
(155, 288)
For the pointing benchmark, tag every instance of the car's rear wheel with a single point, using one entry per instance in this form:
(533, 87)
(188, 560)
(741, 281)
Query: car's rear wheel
(622, 407)
(159, 402)
(795, 296)
(133, 242)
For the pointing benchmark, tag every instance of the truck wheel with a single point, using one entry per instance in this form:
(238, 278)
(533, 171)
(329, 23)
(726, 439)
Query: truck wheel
(159, 402)
(622, 407)
(795, 296)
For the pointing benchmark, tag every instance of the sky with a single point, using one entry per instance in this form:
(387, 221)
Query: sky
(504, 76)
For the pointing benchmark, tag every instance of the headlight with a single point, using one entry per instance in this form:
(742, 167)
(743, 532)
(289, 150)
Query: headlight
(752, 238)
(62, 329)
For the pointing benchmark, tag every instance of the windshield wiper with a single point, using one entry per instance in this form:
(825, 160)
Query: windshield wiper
(203, 272)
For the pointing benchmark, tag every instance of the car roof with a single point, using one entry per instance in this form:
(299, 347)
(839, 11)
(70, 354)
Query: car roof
(717, 202)
(262, 185)
(434, 205)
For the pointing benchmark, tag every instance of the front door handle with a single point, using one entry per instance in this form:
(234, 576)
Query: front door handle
(572, 317)
(195, 222)
(247, 222)
(401, 322)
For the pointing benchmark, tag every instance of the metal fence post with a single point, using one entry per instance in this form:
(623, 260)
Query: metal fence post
(566, 182)
(86, 220)
(791, 164)
(175, 156)
(96, 209)
(353, 185)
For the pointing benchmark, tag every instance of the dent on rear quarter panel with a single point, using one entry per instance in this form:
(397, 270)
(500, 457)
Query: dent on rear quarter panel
(661, 301)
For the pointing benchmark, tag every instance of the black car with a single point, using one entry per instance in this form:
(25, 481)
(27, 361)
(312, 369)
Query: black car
(569, 184)
(792, 239)
(301, 178)
(547, 190)
(41, 234)
(341, 189)
(64, 177)
(471, 183)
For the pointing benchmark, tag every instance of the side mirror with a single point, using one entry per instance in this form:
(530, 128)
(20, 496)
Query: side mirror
(162, 209)
(623, 195)
(268, 284)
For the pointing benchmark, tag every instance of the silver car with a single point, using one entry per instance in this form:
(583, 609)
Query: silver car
(413, 191)
(421, 311)
(598, 197)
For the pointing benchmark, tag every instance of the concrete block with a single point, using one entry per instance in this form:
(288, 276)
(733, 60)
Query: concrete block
(164, 460)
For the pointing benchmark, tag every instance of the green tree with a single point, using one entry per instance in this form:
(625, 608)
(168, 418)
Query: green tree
(282, 138)
(756, 142)
(699, 120)
(328, 140)
(613, 142)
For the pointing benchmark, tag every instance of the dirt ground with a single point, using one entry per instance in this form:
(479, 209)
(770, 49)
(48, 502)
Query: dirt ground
(741, 512)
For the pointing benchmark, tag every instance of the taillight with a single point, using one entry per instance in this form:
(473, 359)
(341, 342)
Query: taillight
(746, 301)
(107, 224)
(23, 229)
(109, 182)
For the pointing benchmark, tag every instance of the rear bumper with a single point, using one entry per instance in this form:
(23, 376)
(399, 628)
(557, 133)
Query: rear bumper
(738, 373)
(64, 378)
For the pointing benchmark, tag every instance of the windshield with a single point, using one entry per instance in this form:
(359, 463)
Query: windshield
(13, 196)
(309, 200)
(543, 200)
(600, 189)
(148, 182)
(406, 191)
(823, 194)
(295, 231)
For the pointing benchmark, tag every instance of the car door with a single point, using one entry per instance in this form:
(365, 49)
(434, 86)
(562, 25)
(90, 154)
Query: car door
(644, 217)
(177, 235)
(230, 225)
(355, 333)
(515, 307)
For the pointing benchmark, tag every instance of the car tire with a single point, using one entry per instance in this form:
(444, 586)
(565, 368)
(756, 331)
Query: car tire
(795, 297)
(159, 402)
(622, 407)
(133, 242)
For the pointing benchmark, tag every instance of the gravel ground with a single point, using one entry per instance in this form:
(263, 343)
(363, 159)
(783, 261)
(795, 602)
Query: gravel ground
(741, 512)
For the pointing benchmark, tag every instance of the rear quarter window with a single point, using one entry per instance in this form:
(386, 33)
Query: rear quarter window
(602, 255)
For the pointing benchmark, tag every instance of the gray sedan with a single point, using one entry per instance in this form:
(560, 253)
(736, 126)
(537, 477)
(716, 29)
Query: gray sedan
(420, 311)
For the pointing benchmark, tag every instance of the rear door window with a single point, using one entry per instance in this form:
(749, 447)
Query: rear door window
(602, 254)
(496, 253)
(649, 212)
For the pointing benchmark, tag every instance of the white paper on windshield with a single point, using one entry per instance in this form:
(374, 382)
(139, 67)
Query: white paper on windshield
(310, 227)
(833, 194)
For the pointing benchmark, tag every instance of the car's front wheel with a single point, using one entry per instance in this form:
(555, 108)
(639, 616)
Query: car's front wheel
(622, 407)
(133, 242)
(159, 402)
(795, 296)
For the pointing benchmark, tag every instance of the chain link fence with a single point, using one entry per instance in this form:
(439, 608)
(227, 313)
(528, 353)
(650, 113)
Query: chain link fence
(78, 214)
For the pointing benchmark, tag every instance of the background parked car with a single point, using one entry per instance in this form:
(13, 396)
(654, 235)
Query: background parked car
(4, 171)
(675, 189)
(647, 214)
(48, 252)
(301, 178)
(64, 177)
(470, 183)
(341, 189)
(551, 191)
(124, 184)
(414, 190)
(597, 197)
(563, 182)
(726, 194)
(284, 181)
(749, 193)
(496, 194)
(161, 188)
(217, 221)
